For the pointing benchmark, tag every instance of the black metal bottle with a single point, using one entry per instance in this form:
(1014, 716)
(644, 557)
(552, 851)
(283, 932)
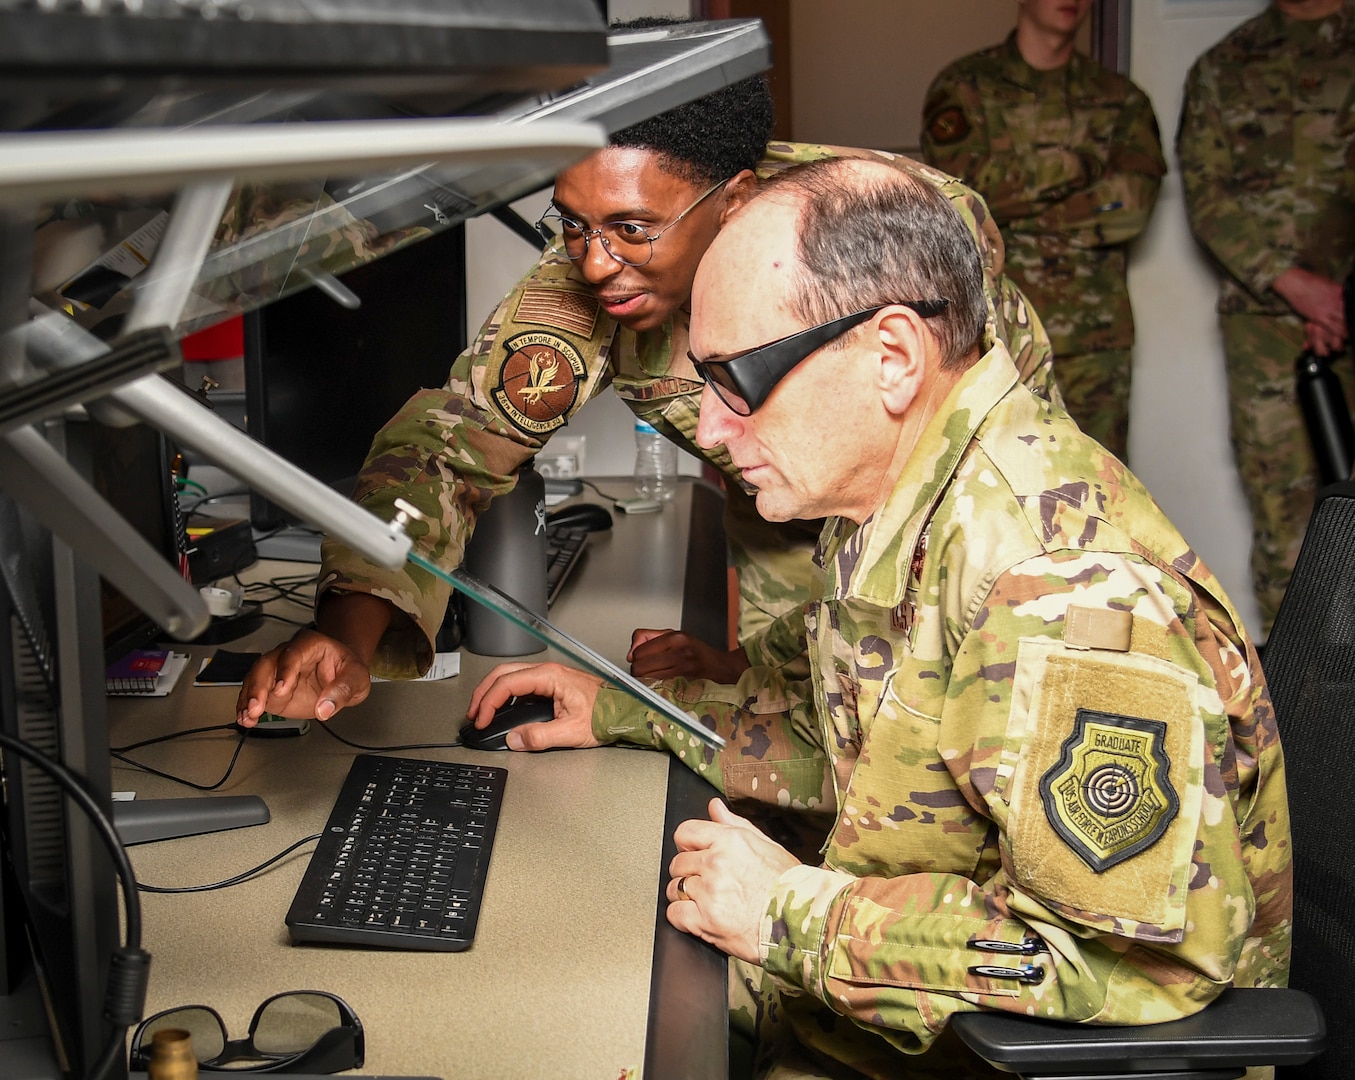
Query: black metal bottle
(508, 550)
(1326, 415)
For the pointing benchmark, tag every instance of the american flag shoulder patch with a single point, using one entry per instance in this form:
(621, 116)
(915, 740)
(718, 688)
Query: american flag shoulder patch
(562, 309)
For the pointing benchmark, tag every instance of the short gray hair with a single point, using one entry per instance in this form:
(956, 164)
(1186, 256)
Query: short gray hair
(870, 235)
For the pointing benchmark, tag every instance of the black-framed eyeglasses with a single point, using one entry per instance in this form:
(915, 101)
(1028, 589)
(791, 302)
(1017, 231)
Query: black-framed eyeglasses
(744, 379)
(308, 1031)
(625, 241)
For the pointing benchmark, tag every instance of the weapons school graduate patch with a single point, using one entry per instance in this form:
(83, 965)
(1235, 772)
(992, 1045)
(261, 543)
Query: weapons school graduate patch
(539, 381)
(1104, 807)
(1109, 794)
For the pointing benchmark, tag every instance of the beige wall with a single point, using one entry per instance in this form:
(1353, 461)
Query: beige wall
(885, 55)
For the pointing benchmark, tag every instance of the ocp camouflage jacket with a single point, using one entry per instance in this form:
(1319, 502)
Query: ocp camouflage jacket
(1266, 127)
(1036, 721)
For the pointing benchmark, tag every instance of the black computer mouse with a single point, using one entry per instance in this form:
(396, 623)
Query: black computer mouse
(526, 709)
(588, 516)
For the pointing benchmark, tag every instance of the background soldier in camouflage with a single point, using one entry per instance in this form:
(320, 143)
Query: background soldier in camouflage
(1265, 132)
(1044, 735)
(593, 321)
(1068, 157)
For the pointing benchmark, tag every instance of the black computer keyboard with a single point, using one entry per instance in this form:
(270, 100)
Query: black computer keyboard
(564, 546)
(402, 861)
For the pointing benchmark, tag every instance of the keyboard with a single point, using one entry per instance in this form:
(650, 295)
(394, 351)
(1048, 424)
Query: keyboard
(402, 861)
(564, 546)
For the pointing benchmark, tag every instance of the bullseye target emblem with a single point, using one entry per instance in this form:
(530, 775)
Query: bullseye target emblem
(1112, 790)
(1109, 795)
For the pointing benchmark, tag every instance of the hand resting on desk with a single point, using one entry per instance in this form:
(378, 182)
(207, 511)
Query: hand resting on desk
(668, 654)
(727, 867)
(310, 676)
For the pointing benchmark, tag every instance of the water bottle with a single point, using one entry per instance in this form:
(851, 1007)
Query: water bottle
(1326, 416)
(655, 464)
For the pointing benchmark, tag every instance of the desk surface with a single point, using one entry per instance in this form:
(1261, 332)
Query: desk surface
(558, 980)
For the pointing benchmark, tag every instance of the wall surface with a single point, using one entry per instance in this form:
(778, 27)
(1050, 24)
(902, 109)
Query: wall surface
(862, 67)
(1178, 438)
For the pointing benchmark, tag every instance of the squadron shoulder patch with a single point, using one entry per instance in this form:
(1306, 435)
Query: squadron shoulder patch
(948, 126)
(538, 381)
(1108, 795)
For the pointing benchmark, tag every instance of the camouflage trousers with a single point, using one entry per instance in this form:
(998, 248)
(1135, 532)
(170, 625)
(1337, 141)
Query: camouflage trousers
(763, 1044)
(1095, 388)
(1274, 455)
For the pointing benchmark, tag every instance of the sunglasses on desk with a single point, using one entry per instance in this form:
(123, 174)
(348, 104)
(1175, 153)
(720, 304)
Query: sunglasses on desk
(299, 1031)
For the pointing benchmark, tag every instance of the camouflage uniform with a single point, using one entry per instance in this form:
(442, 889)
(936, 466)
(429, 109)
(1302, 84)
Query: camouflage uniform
(1034, 717)
(549, 348)
(1069, 162)
(1265, 130)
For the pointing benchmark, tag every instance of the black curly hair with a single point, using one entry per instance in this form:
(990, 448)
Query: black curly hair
(709, 139)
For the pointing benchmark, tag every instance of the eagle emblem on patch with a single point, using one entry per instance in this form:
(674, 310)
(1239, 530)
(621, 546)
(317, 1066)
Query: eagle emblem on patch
(538, 381)
(1108, 795)
(948, 126)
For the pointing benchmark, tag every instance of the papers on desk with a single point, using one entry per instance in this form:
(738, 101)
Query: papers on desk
(445, 665)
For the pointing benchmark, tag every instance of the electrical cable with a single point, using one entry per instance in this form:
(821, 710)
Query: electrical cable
(613, 499)
(235, 879)
(129, 969)
(239, 745)
(326, 726)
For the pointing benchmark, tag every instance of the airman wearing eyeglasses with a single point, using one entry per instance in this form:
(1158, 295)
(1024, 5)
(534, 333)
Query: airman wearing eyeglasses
(606, 305)
(1054, 778)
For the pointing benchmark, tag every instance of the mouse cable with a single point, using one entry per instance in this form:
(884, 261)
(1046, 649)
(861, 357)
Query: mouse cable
(326, 727)
(171, 735)
(239, 745)
(234, 880)
(613, 499)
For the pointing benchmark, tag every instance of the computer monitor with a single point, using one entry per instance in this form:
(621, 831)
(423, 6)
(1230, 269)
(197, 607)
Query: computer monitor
(321, 379)
(131, 468)
(64, 903)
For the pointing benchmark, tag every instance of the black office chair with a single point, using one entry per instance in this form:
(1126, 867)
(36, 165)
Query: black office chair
(1309, 662)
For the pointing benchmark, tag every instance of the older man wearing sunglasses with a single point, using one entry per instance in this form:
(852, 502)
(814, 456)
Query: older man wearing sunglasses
(1041, 731)
(605, 306)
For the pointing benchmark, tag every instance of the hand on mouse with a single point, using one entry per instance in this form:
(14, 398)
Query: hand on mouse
(667, 654)
(310, 676)
(574, 693)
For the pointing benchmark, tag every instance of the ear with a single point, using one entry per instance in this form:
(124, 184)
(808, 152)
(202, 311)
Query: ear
(738, 190)
(903, 341)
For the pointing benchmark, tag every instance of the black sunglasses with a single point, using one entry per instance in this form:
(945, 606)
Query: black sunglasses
(743, 380)
(299, 1031)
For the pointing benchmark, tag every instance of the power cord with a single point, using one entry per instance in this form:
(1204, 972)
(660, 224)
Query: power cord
(129, 970)
(235, 879)
(120, 754)
(327, 727)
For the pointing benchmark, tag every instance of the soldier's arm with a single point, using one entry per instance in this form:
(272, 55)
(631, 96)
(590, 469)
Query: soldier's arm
(1039, 931)
(450, 450)
(1016, 181)
(1232, 233)
(773, 752)
(1116, 206)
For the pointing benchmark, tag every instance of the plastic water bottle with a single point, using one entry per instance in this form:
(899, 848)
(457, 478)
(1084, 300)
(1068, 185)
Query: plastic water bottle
(655, 464)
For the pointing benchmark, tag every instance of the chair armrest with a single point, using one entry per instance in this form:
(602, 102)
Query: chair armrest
(1241, 1027)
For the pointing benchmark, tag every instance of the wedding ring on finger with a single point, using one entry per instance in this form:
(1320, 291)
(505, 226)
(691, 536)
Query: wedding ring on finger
(681, 889)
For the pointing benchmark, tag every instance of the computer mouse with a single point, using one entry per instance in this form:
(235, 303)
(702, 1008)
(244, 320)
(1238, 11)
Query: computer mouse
(588, 516)
(526, 709)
